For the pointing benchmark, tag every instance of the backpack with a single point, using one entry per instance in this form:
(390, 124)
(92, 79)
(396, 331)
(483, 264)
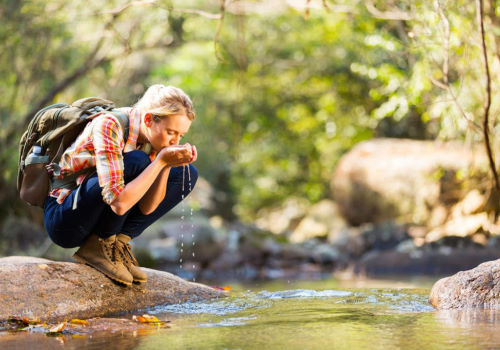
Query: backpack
(51, 131)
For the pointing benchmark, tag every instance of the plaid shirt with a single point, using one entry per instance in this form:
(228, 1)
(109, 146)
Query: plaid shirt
(100, 145)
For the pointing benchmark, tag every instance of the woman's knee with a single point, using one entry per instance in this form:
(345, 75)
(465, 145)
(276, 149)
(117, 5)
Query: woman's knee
(62, 241)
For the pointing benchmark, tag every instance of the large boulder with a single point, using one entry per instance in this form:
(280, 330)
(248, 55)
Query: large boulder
(57, 291)
(385, 179)
(476, 288)
(322, 220)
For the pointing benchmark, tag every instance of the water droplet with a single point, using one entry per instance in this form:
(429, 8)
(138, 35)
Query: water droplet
(183, 176)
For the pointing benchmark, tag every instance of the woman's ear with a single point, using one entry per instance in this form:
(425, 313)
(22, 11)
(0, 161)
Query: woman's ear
(148, 119)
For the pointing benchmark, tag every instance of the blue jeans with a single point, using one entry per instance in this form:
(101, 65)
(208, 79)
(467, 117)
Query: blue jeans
(68, 228)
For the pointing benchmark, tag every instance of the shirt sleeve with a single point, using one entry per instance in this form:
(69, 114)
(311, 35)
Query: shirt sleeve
(108, 143)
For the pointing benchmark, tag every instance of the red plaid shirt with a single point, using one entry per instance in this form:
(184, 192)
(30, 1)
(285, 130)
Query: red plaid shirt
(100, 145)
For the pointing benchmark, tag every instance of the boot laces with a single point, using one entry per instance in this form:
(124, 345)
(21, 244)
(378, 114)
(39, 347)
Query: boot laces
(127, 254)
(110, 249)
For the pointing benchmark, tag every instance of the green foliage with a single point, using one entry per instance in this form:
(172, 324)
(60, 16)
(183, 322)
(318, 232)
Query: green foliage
(293, 93)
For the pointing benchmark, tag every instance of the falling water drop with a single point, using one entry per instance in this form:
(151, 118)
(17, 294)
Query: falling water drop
(191, 218)
(181, 250)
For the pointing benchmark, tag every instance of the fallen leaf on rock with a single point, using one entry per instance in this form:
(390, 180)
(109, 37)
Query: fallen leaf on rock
(24, 321)
(57, 328)
(139, 319)
(225, 288)
(148, 319)
(42, 266)
(77, 321)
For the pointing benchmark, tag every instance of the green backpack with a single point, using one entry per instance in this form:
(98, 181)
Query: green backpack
(51, 131)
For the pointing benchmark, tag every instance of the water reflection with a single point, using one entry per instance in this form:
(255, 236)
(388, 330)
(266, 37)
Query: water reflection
(479, 322)
(40, 341)
(467, 318)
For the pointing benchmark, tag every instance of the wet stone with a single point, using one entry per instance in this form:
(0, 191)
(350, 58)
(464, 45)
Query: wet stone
(60, 291)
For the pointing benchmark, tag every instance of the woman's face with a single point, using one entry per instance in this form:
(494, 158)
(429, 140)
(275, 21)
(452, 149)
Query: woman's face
(166, 132)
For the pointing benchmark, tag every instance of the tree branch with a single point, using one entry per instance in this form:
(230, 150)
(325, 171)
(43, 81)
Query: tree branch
(116, 12)
(445, 84)
(89, 64)
(487, 105)
(394, 14)
(218, 30)
(199, 12)
(495, 21)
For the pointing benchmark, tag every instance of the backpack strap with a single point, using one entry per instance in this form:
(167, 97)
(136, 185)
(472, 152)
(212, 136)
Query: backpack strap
(123, 119)
(69, 181)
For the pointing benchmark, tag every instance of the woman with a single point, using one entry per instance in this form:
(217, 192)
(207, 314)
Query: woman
(130, 188)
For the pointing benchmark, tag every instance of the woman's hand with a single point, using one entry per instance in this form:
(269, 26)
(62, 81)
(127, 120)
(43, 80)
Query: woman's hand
(177, 155)
(195, 154)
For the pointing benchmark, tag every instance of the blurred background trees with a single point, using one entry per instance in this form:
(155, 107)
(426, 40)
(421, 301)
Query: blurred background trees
(282, 89)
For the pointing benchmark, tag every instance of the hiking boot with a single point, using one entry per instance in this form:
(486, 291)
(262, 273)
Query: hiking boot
(103, 255)
(129, 259)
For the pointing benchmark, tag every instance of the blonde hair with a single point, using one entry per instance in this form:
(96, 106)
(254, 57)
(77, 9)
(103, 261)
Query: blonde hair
(162, 101)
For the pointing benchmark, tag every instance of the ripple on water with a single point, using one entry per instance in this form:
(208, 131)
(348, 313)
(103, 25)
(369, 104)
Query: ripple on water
(394, 301)
(229, 322)
(219, 308)
(303, 293)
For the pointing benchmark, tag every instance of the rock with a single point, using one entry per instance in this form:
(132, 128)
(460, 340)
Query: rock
(326, 254)
(164, 240)
(472, 203)
(321, 220)
(164, 249)
(383, 236)
(494, 242)
(438, 216)
(226, 261)
(308, 228)
(350, 242)
(282, 218)
(438, 261)
(461, 227)
(386, 179)
(81, 330)
(475, 288)
(56, 291)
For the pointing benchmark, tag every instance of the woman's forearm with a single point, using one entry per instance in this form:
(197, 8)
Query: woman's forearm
(156, 193)
(136, 188)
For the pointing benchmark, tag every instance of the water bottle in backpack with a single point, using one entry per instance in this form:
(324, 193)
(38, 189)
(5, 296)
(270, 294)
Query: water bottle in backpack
(36, 177)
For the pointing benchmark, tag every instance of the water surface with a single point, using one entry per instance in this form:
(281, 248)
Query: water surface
(299, 315)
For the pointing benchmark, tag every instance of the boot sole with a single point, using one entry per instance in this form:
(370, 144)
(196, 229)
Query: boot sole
(85, 262)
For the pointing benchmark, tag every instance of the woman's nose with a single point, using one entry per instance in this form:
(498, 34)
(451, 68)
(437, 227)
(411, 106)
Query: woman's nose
(174, 141)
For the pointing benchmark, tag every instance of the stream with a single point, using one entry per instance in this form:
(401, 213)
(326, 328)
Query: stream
(327, 314)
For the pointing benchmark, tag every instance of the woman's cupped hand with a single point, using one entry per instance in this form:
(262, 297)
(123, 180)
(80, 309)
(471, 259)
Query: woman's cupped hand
(178, 155)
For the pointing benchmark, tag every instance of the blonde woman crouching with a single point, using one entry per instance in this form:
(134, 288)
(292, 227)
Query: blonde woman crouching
(136, 181)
